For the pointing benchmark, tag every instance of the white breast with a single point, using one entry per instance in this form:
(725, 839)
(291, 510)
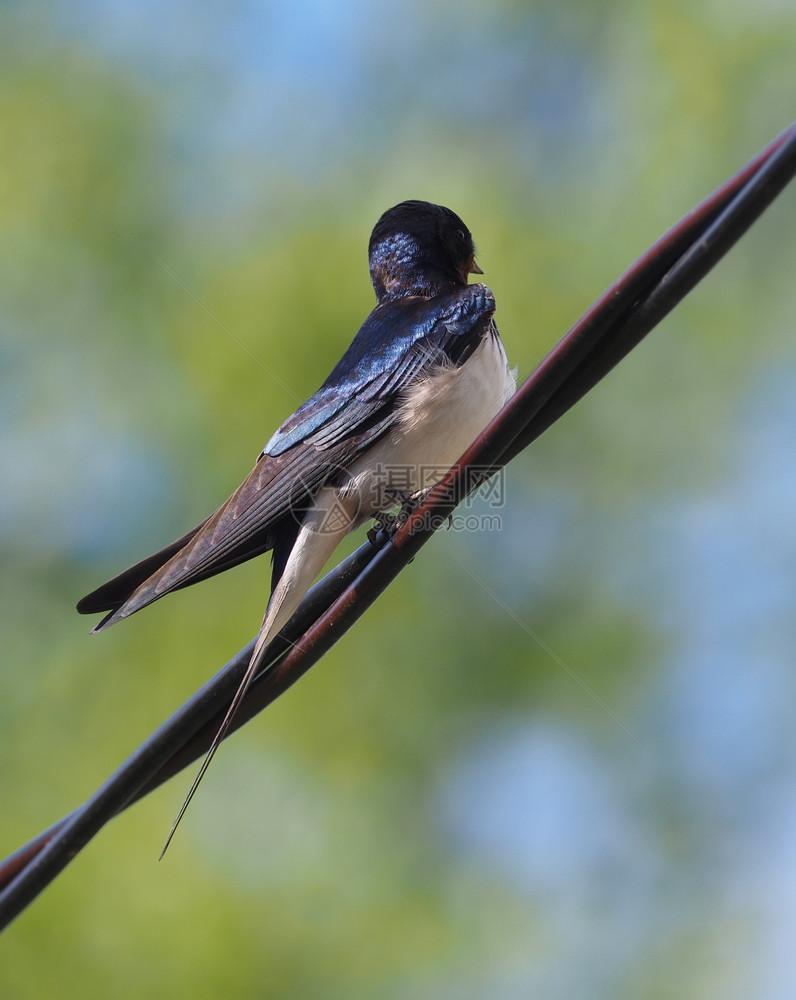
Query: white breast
(445, 411)
(440, 416)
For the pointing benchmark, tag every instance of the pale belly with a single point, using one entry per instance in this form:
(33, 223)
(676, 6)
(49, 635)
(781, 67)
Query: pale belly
(439, 418)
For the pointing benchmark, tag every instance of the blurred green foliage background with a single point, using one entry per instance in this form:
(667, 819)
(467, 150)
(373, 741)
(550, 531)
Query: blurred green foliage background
(554, 760)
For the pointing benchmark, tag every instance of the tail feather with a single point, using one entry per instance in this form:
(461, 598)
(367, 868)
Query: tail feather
(114, 593)
(309, 549)
(285, 598)
(152, 588)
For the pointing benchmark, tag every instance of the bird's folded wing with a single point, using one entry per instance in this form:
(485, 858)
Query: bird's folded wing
(399, 341)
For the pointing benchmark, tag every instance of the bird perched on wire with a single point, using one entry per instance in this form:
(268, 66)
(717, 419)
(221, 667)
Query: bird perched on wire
(422, 378)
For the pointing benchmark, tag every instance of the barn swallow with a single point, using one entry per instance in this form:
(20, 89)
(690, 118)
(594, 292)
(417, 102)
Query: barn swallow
(424, 375)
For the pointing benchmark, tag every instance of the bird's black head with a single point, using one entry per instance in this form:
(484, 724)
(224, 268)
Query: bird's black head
(417, 248)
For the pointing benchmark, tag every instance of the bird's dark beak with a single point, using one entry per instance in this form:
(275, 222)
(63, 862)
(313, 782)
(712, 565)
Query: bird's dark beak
(472, 267)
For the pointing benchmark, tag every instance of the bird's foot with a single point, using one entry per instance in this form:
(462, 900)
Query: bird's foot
(383, 522)
(409, 503)
(390, 522)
